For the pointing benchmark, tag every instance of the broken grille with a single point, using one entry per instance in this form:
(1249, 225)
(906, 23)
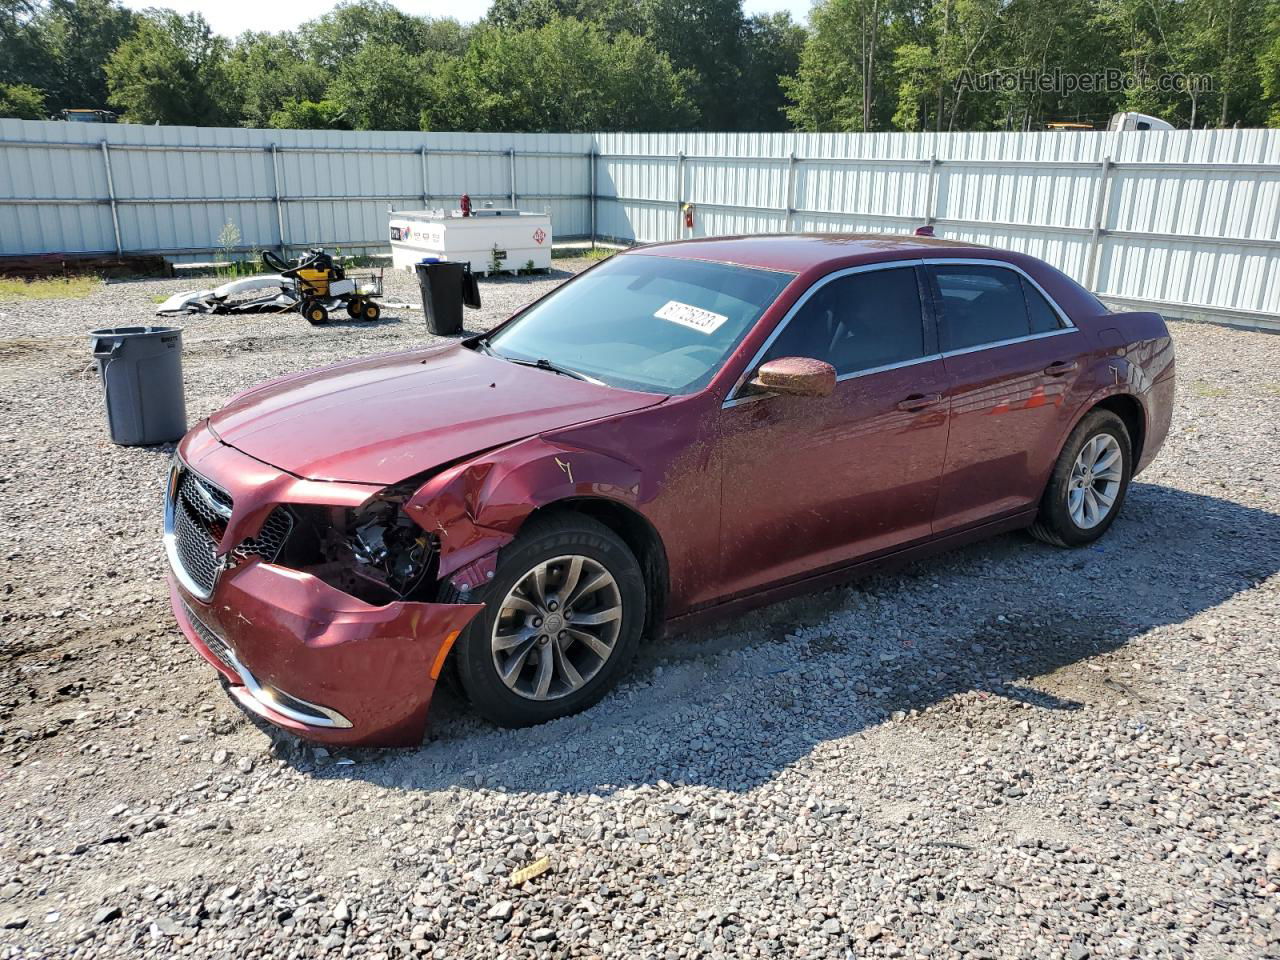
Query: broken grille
(270, 539)
(197, 520)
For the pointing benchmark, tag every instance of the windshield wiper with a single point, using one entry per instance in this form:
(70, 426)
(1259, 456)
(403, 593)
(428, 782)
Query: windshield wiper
(542, 363)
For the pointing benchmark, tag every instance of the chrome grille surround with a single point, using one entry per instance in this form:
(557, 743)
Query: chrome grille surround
(191, 506)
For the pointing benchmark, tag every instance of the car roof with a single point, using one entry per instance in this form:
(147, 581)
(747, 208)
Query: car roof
(798, 252)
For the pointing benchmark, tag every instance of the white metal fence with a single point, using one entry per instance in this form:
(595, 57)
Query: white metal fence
(70, 187)
(1183, 221)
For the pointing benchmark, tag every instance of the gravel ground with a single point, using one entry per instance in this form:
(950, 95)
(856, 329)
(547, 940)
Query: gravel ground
(1007, 751)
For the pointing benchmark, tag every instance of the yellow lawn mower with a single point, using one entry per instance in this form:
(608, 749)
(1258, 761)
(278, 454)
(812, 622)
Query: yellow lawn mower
(322, 286)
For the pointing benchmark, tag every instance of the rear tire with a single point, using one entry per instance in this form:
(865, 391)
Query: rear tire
(1088, 485)
(371, 311)
(540, 627)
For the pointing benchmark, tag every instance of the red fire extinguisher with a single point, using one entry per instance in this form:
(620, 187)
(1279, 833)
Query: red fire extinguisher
(465, 204)
(687, 209)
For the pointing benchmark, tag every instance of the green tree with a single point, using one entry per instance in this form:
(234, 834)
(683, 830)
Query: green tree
(918, 76)
(381, 87)
(79, 37)
(704, 38)
(567, 76)
(172, 70)
(613, 16)
(772, 44)
(23, 101)
(839, 84)
(1227, 36)
(310, 115)
(268, 70)
(1269, 65)
(23, 59)
(348, 28)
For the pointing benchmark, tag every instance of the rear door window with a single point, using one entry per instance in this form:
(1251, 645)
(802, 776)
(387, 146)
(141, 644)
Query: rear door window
(979, 304)
(858, 322)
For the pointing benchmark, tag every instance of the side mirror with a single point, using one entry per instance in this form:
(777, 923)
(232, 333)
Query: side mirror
(796, 377)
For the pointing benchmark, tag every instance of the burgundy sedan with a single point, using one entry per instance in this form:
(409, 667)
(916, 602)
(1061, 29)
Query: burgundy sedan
(681, 431)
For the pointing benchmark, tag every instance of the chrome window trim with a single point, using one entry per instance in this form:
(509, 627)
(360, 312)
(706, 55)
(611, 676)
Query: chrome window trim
(1007, 343)
(734, 400)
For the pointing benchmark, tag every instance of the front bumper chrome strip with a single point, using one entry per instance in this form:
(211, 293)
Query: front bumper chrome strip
(277, 701)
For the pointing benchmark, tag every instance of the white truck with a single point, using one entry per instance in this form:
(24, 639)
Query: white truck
(1138, 121)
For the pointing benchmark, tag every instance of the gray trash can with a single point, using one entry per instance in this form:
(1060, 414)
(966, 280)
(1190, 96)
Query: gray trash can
(141, 371)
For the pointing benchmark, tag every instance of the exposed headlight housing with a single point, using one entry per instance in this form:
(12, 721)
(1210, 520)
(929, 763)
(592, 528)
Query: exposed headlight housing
(374, 552)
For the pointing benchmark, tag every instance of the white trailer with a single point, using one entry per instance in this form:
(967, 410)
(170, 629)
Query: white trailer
(515, 238)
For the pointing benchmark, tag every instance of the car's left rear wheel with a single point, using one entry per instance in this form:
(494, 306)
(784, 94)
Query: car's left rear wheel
(563, 616)
(1088, 483)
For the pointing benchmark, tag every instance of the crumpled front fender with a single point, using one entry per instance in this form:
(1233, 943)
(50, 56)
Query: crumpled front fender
(476, 507)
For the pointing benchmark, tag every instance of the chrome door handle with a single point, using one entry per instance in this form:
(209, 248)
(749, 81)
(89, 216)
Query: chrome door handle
(1061, 368)
(918, 401)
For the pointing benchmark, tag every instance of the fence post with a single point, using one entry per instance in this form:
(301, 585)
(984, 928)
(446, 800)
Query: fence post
(1101, 205)
(426, 193)
(791, 191)
(512, 154)
(931, 194)
(679, 192)
(591, 192)
(275, 183)
(111, 194)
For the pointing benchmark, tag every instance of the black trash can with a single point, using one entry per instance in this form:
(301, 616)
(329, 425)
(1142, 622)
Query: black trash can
(141, 372)
(441, 286)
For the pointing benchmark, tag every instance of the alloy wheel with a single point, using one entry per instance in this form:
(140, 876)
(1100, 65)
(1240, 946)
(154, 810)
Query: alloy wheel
(1095, 481)
(557, 627)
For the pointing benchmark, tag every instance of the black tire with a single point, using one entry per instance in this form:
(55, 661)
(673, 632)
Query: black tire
(545, 538)
(1054, 523)
(355, 308)
(371, 311)
(315, 313)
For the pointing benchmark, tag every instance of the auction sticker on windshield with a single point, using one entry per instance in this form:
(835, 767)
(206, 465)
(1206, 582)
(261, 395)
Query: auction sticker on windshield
(687, 315)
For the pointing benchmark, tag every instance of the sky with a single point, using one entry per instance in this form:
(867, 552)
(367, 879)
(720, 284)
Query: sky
(233, 17)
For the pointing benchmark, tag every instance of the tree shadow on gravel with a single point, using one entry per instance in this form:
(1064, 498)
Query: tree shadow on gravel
(733, 704)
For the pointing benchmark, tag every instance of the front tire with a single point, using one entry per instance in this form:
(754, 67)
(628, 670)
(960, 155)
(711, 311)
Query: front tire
(315, 313)
(563, 616)
(1088, 485)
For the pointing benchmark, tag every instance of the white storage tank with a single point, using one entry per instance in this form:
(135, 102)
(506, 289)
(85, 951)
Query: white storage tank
(519, 238)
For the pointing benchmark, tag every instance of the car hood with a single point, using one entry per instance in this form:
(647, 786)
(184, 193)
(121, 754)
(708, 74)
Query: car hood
(382, 419)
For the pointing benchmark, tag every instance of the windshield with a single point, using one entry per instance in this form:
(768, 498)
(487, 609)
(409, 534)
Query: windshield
(658, 324)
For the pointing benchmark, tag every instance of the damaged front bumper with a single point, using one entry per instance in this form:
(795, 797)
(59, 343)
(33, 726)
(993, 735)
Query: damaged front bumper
(318, 662)
(296, 650)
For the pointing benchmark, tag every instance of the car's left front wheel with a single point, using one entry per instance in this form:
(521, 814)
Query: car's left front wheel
(563, 616)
